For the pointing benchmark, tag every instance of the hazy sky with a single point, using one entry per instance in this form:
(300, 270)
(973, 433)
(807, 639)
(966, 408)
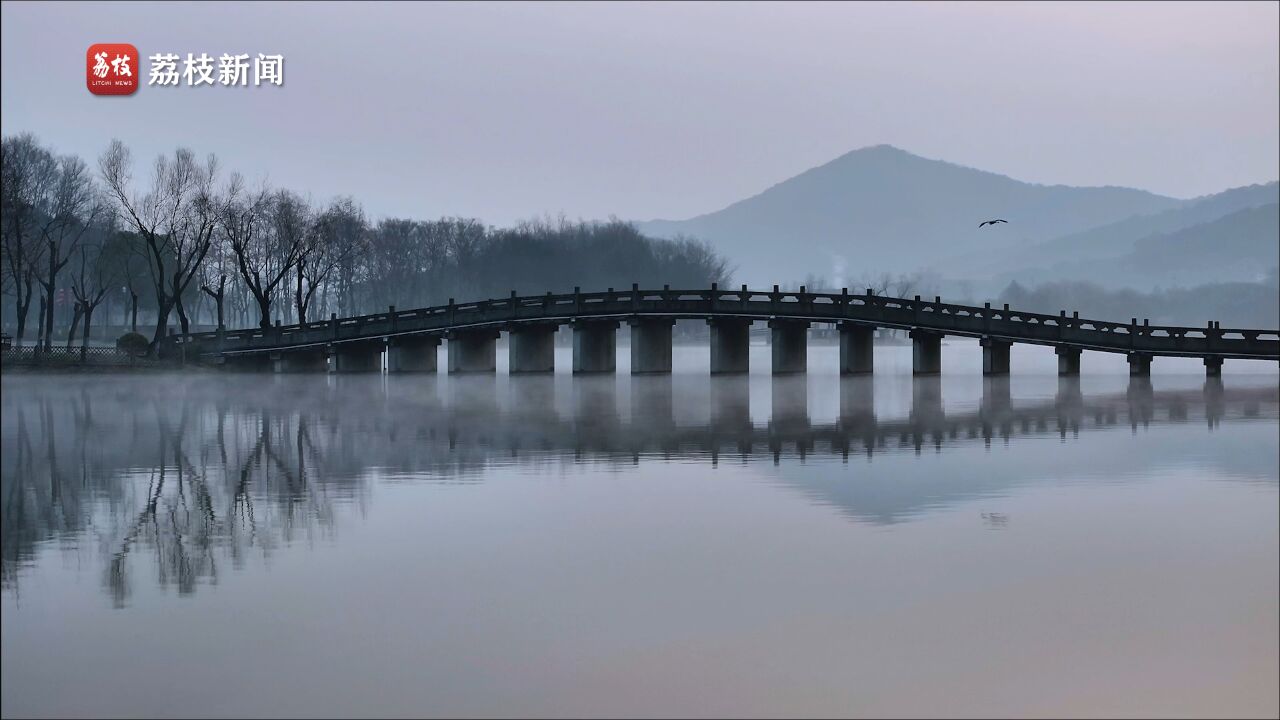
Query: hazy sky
(506, 111)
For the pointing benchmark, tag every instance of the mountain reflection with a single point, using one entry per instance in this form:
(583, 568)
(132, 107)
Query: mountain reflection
(178, 481)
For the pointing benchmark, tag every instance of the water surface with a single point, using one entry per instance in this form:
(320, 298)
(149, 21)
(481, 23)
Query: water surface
(308, 545)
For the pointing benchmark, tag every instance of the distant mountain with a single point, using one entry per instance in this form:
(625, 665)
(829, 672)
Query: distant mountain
(881, 209)
(1062, 257)
(1241, 246)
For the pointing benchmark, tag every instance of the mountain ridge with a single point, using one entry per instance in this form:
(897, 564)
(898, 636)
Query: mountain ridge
(1115, 239)
(884, 209)
(1238, 246)
(886, 147)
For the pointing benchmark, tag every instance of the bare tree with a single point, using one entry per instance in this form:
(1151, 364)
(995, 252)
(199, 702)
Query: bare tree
(877, 283)
(175, 218)
(194, 235)
(263, 254)
(357, 242)
(335, 237)
(97, 272)
(220, 263)
(71, 209)
(700, 257)
(27, 172)
(292, 223)
(905, 285)
(128, 254)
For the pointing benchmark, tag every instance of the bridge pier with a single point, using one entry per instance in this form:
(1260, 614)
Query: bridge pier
(309, 360)
(926, 352)
(473, 351)
(412, 354)
(531, 349)
(595, 346)
(651, 345)
(790, 346)
(1139, 364)
(356, 357)
(856, 349)
(1213, 367)
(995, 356)
(1068, 361)
(730, 345)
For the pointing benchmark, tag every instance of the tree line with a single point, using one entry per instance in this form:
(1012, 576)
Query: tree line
(187, 242)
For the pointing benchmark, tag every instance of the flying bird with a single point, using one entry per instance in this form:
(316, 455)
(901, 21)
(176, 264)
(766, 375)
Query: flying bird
(992, 222)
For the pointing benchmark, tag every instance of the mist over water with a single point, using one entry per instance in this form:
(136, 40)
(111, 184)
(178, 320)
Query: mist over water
(219, 544)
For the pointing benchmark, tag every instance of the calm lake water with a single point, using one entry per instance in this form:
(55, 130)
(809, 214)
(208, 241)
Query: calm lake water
(214, 544)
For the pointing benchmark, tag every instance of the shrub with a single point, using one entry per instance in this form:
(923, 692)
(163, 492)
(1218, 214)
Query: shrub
(133, 343)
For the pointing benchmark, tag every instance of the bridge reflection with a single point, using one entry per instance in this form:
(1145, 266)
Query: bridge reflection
(598, 424)
(191, 479)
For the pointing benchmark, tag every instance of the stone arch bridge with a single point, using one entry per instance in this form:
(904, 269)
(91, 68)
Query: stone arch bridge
(409, 338)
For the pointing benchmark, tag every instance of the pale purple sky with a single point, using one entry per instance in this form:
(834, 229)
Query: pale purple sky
(506, 111)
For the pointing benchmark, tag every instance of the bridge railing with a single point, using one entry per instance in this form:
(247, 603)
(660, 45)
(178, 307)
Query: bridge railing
(933, 314)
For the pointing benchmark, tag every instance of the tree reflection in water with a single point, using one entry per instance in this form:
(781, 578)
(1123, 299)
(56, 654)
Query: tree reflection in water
(177, 479)
(182, 481)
